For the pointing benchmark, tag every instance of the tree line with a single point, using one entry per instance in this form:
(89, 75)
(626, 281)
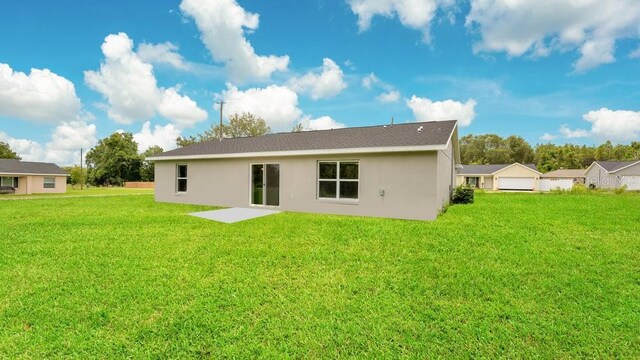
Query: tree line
(116, 160)
(493, 149)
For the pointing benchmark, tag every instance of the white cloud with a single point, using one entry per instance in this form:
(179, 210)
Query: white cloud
(29, 150)
(425, 109)
(389, 96)
(566, 132)
(321, 123)
(635, 54)
(131, 89)
(326, 83)
(413, 14)
(350, 65)
(64, 148)
(67, 140)
(222, 24)
(163, 136)
(40, 96)
(538, 27)
(277, 105)
(370, 80)
(614, 125)
(547, 137)
(619, 126)
(165, 53)
(126, 81)
(183, 111)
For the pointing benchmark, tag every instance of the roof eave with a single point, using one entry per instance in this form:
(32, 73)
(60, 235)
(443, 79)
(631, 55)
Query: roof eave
(367, 150)
(625, 167)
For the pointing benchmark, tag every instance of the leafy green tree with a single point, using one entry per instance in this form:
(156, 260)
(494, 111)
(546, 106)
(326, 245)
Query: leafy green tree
(147, 171)
(7, 153)
(76, 175)
(605, 152)
(243, 125)
(520, 150)
(114, 160)
(298, 128)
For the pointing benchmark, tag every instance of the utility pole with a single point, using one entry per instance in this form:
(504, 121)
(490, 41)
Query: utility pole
(81, 171)
(221, 106)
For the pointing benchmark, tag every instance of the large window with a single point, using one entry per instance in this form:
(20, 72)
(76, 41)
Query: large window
(338, 179)
(181, 178)
(49, 182)
(9, 181)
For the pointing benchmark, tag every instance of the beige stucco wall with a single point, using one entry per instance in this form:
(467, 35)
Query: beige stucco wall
(516, 171)
(488, 182)
(34, 184)
(485, 182)
(412, 188)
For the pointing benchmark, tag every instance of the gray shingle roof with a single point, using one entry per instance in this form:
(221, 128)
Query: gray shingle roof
(488, 169)
(611, 166)
(12, 166)
(433, 133)
(565, 173)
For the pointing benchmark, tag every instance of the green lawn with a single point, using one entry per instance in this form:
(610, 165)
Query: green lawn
(514, 275)
(75, 191)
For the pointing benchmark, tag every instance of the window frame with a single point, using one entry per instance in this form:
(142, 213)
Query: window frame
(337, 181)
(185, 178)
(50, 184)
(14, 183)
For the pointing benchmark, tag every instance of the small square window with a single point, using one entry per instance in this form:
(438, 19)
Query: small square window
(49, 182)
(328, 170)
(327, 189)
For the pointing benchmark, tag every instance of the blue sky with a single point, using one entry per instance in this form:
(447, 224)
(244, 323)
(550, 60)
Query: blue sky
(544, 70)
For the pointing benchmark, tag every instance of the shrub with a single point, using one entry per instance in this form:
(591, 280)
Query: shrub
(579, 189)
(620, 190)
(462, 195)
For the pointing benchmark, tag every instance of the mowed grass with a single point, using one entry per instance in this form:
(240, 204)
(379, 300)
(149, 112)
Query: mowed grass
(76, 191)
(513, 275)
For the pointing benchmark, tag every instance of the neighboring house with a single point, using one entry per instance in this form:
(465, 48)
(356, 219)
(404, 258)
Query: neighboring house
(614, 174)
(25, 177)
(500, 177)
(401, 171)
(562, 179)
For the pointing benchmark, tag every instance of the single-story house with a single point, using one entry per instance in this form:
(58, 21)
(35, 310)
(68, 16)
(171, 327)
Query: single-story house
(404, 171)
(614, 174)
(514, 176)
(25, 177)
(562, 179)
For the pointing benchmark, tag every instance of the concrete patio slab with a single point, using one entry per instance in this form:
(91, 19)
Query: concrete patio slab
(233, 215)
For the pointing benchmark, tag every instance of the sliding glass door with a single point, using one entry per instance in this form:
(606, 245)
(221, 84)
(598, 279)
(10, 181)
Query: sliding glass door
(265, 184)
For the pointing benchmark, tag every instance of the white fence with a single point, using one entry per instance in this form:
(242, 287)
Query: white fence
(556, 184)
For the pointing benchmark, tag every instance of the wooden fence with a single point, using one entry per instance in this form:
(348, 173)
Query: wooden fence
(138, 185)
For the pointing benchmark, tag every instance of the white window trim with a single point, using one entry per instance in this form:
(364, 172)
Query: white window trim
(13, 181)
(178, 178)
(337, 180)
(44, 182)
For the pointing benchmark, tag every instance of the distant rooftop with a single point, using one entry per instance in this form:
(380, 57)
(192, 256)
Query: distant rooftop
(418, 134)
(18, 167)
(611, 166)
(565, 173)
(488, 169)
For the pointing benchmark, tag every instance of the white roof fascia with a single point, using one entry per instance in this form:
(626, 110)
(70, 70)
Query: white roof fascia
(389, 149)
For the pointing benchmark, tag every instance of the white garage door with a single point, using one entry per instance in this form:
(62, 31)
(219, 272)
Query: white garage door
(511, 183)
(632, 182)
